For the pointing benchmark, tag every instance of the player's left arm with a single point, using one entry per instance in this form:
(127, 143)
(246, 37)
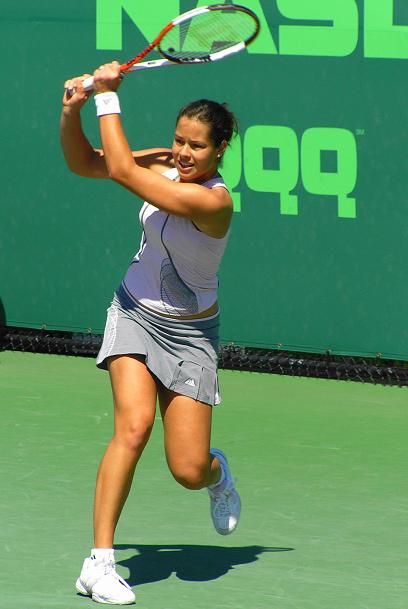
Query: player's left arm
(209, 208)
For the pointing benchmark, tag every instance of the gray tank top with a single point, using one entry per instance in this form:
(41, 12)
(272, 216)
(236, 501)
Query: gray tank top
(175, 269)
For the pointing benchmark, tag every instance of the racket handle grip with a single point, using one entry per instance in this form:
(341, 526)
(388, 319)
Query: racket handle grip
(145, 65)
(88, 83)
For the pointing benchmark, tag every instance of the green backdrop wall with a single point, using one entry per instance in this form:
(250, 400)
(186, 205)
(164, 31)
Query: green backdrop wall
(319, 246)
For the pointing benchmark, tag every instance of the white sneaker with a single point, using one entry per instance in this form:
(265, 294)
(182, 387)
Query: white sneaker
(225, 501)
(100, 580)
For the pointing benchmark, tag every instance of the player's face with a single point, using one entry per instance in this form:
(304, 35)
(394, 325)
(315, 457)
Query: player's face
(195, 155)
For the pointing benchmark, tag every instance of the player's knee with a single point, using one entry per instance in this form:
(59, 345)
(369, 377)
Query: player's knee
(135, 434)
(191, 476)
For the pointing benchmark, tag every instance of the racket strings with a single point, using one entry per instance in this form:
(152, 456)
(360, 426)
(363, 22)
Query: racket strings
(206, 34)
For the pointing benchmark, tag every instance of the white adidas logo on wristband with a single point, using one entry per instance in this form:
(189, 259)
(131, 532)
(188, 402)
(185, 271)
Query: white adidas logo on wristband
(107, 103)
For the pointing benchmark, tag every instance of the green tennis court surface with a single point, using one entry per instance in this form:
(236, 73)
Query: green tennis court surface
(322, 469)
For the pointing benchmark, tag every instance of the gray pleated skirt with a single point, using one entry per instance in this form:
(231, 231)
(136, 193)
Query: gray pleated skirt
(181, 354)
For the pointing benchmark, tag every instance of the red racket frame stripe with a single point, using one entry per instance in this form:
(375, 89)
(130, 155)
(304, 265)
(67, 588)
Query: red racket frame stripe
(125, 66)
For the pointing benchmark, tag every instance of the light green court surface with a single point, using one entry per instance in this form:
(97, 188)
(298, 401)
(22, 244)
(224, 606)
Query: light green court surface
(322, 468)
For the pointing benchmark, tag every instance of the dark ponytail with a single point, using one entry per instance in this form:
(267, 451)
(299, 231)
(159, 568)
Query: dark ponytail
(222, 122)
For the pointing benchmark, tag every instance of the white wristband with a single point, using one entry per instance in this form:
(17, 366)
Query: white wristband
(107, 103)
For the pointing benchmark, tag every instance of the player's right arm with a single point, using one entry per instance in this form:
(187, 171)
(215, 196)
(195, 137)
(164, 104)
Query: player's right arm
(81, 157)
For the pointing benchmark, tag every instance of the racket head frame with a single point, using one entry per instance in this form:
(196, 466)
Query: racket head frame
(186, 17)
(134, 64)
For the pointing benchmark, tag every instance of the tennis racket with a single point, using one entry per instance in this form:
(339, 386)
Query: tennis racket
(202, 35)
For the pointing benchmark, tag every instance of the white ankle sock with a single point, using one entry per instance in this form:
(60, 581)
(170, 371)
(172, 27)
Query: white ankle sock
(220, 481)
(101, 554)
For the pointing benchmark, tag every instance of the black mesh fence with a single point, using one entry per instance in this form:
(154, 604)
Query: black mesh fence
(231, 357)
(322, 365)
(46, 341)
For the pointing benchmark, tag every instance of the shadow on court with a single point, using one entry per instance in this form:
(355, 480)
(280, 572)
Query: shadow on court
(154, 563)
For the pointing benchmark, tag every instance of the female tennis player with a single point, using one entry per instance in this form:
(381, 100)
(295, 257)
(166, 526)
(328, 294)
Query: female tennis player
(161, 334)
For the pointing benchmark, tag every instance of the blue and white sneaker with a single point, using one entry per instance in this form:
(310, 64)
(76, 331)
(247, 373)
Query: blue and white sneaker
(100, 581)
(225, 501)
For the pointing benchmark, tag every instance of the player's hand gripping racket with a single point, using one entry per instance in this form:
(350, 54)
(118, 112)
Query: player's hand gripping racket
(205, 34)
